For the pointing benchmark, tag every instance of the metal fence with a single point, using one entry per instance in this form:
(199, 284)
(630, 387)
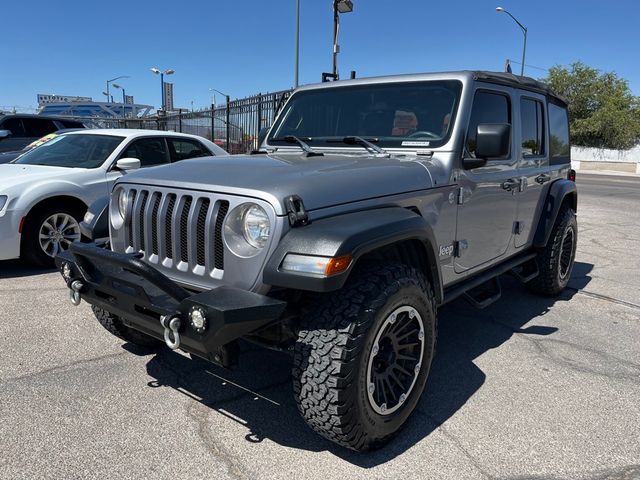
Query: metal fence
(234, 127)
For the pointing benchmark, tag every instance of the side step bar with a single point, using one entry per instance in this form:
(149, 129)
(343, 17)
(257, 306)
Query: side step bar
(482, 298)
(456, 291)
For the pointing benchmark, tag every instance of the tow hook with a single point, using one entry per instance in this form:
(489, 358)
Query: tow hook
(74, 293)
(171, 325)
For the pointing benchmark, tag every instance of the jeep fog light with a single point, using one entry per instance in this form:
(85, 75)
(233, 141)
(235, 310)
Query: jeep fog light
(66, 271)
(313, 265)
(198, 319)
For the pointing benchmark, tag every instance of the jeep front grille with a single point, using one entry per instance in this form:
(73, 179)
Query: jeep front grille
(177, 231)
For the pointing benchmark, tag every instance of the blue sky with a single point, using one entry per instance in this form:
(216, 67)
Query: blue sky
(244, 47)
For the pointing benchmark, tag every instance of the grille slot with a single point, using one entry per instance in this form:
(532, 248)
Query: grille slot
(200, 232)
(184, 226)
(154, 223)
(168, 226)
(143, 204)
(219, 246)
(132, 199)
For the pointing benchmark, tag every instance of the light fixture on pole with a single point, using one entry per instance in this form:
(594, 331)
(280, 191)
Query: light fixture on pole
(524, 31)
(339, 7)
(124, 99)
(157, 71)
(113, 80)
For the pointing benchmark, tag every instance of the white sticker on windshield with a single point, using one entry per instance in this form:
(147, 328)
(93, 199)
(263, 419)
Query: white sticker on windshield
(413, 143)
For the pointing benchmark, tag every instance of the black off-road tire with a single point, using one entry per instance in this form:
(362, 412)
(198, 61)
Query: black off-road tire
(332, 353)
(30, 249)
(113, 324)
(554, 273)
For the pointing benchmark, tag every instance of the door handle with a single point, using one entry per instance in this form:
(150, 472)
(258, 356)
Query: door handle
(510, 184)
(543, 178)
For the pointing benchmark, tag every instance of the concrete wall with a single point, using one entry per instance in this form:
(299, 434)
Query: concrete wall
(584, 158)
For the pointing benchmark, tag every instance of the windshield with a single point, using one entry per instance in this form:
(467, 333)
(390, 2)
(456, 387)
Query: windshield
(416, 114)
(74, 151)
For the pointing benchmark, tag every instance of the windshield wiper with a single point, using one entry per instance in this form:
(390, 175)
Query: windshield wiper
(301, 143)
(353, 140)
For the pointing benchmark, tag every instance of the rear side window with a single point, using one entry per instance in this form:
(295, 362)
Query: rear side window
(150, 151)
(38, 127)
(488, 107)
(559, 147)
(182, 149)
(531, 121)
(14, 125)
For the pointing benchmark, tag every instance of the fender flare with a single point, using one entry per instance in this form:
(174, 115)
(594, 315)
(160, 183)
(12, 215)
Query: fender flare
(98, 227)
(558, 192)
(354, 234)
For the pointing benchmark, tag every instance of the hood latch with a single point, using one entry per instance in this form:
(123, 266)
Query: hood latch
(295, 211)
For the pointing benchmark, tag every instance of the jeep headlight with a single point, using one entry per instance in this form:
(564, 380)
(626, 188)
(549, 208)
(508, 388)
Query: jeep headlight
(247, 229)
(123, 203)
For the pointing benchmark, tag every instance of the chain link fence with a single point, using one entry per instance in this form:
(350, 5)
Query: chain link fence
(234, 127)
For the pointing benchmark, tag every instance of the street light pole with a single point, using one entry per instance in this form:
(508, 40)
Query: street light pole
(162, 73)
(524, 32)
(339, 6)
(113, 80)
(124, 99)
(297, 67)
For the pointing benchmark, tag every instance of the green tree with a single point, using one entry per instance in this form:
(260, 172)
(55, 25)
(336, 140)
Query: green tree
(602, 110)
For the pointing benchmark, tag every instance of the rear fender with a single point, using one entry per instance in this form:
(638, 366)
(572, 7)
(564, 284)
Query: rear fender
(559, 191)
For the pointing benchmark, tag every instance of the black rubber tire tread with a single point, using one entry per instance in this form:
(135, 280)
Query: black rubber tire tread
(113, 324)
(30, 249)
(327, 355)
(548, 282)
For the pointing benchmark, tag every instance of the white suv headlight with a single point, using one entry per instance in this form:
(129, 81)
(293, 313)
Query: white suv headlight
(247, 229)
(3, 201)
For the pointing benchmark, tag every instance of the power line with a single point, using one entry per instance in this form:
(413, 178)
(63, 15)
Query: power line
(529, 66)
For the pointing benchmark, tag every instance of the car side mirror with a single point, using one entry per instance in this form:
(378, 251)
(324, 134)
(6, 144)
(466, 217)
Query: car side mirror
(492, 141)
(262, 134)
(5, 133)
(125, 164)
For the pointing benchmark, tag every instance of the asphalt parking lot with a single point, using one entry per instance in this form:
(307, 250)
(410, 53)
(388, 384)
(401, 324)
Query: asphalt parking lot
(528, 388)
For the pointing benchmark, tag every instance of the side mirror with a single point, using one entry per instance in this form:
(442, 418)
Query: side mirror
(262, 134)
(128, 164)
(5, 133)
(492, 140)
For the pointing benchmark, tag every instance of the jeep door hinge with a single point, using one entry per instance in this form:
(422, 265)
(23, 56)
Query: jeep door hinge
(458, 247)
(463, 194)
(295, 211)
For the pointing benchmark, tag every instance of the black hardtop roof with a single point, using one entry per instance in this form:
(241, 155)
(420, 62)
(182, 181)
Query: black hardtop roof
(509, 79)
(35, 115)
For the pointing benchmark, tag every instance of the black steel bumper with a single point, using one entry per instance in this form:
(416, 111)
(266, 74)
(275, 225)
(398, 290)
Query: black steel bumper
(126, 286)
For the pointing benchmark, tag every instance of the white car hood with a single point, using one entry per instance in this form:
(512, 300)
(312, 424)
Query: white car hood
(14, 174)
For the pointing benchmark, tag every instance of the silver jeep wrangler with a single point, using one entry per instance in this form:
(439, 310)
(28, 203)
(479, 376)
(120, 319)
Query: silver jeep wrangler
(371, 203)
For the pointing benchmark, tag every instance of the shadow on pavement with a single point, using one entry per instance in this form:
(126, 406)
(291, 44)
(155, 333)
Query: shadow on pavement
(258, 394)
(16, 268)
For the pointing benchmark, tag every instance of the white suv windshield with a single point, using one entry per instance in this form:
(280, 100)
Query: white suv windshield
(73, 151)
(415, 114)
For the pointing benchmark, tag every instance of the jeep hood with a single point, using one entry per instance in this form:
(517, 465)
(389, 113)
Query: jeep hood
(321, 181)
